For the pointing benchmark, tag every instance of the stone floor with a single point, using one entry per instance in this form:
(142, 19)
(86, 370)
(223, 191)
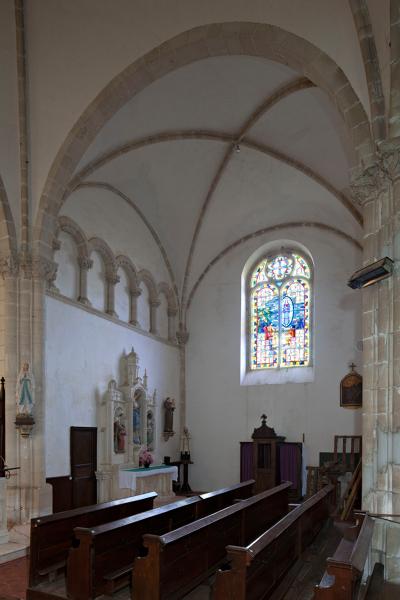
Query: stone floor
(14, 578)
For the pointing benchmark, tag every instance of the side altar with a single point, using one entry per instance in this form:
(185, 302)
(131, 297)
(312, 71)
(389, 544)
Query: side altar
(148, 479)
(126, 424)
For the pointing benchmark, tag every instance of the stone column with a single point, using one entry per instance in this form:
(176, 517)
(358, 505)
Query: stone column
(85, 264)
(172, 312)
(9, 329)
(112, 279)
(378, 189)
(154, 304)
(134, 295)
(182, 336)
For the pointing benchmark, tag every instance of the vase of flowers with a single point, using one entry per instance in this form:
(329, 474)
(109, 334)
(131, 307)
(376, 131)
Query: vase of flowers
(145, 458)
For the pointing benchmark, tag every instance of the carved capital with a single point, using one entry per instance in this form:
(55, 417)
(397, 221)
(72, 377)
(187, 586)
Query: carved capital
(111, 276)
(390, 158)
(85, 263)
(8, 266)
(43, 268)
(154, 303)
(182, 335)
(367, 185)
(56, 245)
(172, 312)
(135, 292)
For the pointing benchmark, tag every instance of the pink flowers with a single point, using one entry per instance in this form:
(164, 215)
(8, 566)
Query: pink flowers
(145, 457)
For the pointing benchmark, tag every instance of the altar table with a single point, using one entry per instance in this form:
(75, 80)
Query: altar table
(142, 480)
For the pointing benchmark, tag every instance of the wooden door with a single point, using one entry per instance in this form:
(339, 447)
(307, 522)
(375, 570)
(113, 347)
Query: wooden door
(83, 465)
(264, 464)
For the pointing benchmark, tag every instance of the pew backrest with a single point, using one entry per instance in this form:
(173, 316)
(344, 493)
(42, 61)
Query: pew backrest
(257, 568)
(52, 535)
(177, 561)
(345, 568)
(100, 551)
(218, 499)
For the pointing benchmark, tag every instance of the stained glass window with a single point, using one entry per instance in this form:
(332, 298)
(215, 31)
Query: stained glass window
(280, 305)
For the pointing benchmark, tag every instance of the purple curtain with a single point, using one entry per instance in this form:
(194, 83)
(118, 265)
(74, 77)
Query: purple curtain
(288, 463)
(246, 461)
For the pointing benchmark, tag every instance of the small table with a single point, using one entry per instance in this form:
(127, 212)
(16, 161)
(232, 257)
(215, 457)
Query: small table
(147, 479)
(185, 487)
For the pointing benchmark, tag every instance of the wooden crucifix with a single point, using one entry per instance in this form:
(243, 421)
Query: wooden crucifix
(2, 428)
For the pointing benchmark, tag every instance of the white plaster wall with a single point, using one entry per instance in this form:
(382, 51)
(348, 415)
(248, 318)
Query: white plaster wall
(83, 353)
(68, 270)
(221, 412)
(76, 48)
(9, 143)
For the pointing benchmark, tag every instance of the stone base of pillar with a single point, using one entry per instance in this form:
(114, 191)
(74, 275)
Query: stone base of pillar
(104, 485)
(4, 537)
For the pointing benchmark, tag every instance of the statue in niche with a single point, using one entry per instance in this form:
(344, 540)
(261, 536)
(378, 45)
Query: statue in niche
(119, 432)
(25, 391)
(150, 430)
(137, 438)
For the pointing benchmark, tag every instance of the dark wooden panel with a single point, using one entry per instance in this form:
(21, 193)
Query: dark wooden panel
(62, 492)
(83, 465)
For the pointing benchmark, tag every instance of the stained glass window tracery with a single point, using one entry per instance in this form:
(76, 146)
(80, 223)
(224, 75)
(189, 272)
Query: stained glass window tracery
(280, 312)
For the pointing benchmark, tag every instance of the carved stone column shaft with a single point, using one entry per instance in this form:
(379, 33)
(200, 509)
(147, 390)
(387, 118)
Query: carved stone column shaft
(85, 264)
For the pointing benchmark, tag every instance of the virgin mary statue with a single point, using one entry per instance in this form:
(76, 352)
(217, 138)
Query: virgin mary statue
(24, 395)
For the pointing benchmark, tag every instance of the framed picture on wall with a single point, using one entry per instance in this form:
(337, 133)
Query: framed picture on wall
(351, 390)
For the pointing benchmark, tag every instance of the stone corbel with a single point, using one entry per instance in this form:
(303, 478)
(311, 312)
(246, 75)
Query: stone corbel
(182, 335)
(9, 266)
(24, 424)
(85, 264)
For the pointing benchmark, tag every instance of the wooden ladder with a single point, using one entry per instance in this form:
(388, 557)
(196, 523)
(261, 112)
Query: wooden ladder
(351, 492)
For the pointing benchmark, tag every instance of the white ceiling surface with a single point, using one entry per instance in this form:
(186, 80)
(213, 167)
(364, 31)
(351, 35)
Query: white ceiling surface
(215, 94)
(257, 192)
(169, 181)
(306, 126)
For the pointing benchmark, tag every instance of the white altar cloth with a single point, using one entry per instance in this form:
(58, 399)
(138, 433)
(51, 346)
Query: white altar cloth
(162, 478)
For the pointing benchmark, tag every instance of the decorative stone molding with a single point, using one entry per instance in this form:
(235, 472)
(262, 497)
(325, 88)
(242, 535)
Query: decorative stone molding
(24, 424)
(85, 264)
(9, 266)
(153, 304)
(182, 335)
(42, 268)
(368, 184)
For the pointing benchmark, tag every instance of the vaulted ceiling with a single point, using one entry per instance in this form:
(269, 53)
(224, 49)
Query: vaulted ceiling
(211, 150)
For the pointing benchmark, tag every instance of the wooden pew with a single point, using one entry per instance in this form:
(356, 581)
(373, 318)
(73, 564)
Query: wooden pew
(51, 536)
(256, 569)
(214, 501)
(178, 561)
(101, 558)
(344, 570)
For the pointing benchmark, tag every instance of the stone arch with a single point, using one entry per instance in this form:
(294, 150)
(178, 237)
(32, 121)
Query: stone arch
(99, 245)
(163, 288)
(69, 226)
(125, 263)
(233, 38)
(9, 246)
(144, 276)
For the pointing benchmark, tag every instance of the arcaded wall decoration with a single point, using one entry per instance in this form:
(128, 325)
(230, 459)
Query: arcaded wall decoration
(112, 265)
(127, 423)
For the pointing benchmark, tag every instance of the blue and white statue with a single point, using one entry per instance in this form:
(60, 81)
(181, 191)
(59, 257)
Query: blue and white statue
(25, 391)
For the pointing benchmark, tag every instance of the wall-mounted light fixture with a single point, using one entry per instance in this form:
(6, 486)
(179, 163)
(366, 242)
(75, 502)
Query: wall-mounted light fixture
(381, 269)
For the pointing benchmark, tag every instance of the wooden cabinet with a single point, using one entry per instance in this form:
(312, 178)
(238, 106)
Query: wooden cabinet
(265, 462)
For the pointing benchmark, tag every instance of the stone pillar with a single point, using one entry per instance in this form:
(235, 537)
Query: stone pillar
(134, 295)
(172, 312)
(85, 264)
(182, 336)
(111, 279)
(3, 511)
(154, 304)
(378, 189)
(8, 320)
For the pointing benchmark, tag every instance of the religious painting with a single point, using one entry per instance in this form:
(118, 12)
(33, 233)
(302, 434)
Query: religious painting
(351, 390)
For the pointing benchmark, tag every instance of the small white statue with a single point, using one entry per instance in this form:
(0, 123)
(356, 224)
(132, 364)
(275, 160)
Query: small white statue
(185, 443)
(25, 391)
